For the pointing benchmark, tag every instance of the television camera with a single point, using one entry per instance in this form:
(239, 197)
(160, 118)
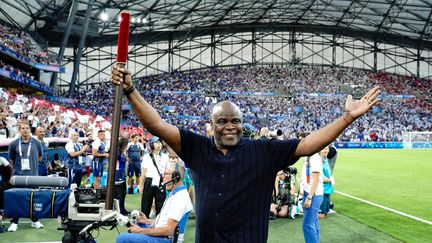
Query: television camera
(82, 210)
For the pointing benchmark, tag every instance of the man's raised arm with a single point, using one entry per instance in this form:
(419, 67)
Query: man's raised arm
(147, 115)
(324, 136)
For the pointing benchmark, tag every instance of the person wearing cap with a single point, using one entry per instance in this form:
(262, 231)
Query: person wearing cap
(152, 168)
(234, 176)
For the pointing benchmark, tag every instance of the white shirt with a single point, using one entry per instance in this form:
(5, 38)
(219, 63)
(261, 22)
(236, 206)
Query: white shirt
(71, 148)
(174, 208)
(315, 162)
(161, 160)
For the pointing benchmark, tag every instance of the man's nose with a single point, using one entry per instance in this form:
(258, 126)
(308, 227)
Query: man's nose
(229, 126)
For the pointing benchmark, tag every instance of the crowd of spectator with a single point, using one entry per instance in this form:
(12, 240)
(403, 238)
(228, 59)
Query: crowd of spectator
(23, 44)
(15, 73)
(186, 99)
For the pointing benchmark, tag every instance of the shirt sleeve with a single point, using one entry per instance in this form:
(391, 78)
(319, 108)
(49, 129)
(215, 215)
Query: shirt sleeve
(69, 147)
(96, 144)
(316, 163)
(179, 207)
(39, 147)
(282, 151)
(189, 144)
(12, 151)
(145, 161)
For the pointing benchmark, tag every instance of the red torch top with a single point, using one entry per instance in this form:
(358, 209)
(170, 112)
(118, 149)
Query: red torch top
(123, 37)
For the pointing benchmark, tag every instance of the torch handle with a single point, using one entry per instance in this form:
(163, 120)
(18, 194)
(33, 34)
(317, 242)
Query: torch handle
(115, 132)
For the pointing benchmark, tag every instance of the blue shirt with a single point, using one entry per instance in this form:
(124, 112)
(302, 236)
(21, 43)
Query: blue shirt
(134, 152)
(35, 152)
(233, 191)
(121, 160)
(328, 188)
(45, 153)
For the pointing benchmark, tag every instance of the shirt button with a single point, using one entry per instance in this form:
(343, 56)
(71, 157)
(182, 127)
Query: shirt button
(220, 194)
(216, 213)
(222, 175)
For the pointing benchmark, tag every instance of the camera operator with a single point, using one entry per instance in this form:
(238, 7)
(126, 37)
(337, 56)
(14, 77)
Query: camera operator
(176, 205)
(76, 152)
(284, 194)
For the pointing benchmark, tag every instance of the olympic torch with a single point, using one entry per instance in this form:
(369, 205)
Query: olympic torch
(122, 53)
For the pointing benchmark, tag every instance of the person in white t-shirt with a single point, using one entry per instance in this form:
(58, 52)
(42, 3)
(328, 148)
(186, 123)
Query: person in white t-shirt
(177, 204)
(313, 190)
(152, 168)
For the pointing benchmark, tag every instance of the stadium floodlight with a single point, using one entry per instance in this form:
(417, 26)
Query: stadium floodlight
(104, 16)
(144, 20)
(133, 20)
(138, 20)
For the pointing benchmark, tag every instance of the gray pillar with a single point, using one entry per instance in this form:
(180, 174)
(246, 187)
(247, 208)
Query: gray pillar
(213, 50)
(78, 54)
(170, 55)
(418, 62)
(66, 34)
(293, 46)
(334, 50)
(254, 60)
(375, 66)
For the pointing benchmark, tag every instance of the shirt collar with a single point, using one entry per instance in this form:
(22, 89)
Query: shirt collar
(242, 142)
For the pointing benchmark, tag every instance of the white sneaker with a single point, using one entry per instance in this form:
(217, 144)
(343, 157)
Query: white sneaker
(13, 227)
(37, 225)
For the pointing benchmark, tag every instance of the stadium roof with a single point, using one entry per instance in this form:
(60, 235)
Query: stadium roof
(402, 22)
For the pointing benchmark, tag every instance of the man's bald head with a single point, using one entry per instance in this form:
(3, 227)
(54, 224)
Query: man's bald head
(40, 133)
(223, 107)
(226, 124)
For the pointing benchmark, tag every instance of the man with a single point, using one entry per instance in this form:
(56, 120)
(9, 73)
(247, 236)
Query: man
(135, 152)
(24, 156)
(45, 163)
(234, 176)
(153, 165)
(89, 153)
(174, 208)
(76, 152)
(99, 158)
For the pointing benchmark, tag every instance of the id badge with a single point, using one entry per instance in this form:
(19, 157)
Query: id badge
(25, 164)
(80, 160)
(155, 181)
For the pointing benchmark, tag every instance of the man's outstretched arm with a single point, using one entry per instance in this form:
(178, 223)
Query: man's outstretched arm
(324, 136)
(146, 114)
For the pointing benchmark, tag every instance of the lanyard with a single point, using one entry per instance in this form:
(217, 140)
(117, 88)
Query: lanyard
(177, 190)
(28, 149)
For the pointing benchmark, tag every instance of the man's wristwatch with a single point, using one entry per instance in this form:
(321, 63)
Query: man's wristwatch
(309, 198)
(129, 90)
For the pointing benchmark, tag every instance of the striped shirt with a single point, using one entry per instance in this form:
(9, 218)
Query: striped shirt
(233, 191)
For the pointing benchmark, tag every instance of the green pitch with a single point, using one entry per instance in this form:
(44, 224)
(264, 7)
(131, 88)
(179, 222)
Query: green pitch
(393, 178)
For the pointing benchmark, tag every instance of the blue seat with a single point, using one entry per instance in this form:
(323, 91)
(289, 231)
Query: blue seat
(180, 229)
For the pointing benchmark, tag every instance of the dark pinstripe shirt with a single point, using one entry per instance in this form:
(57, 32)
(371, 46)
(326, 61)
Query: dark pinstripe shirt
(233, 191)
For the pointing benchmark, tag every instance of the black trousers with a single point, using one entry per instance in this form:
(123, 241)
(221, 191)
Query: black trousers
(150, 192)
